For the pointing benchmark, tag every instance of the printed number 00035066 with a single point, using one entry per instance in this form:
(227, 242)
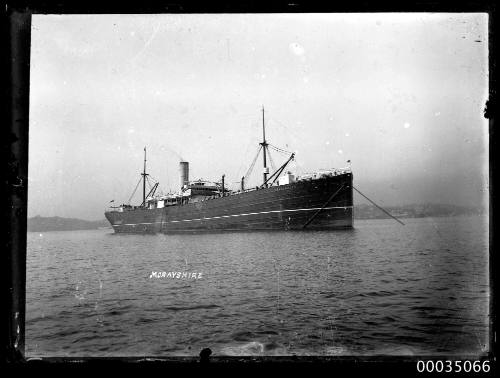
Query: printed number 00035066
(448, 366)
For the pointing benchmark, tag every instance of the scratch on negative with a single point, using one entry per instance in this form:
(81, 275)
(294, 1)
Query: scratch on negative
(18, 330)
(148, 42)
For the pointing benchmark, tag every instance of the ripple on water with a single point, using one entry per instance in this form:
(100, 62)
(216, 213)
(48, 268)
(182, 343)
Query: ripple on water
(415, 292)
(254, 348)
(189, 308)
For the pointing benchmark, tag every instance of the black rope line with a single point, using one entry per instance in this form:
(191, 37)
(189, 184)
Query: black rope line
(279, 149)
(385, 211)
(253, 163)
(134, 190)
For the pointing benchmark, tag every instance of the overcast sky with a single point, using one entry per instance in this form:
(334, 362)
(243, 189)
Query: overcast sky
(400, 95)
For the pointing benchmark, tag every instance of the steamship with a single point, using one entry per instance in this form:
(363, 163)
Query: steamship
(321, 200)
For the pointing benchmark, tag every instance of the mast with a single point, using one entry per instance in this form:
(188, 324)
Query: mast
(144, 174)
(264, 146)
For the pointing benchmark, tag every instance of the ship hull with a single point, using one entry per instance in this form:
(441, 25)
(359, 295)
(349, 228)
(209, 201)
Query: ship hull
(320, 204)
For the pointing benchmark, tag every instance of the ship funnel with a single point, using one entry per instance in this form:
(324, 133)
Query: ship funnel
(184, 173)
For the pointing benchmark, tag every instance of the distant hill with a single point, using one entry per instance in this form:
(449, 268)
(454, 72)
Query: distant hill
(44, 224)
(414, 211)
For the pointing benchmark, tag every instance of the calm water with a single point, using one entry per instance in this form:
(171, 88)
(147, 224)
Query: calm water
(381, 288)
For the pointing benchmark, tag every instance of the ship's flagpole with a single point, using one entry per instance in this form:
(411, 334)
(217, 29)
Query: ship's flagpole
(264, 146)
(144, 174)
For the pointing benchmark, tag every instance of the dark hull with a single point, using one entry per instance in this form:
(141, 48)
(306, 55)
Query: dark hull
(286, 207)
